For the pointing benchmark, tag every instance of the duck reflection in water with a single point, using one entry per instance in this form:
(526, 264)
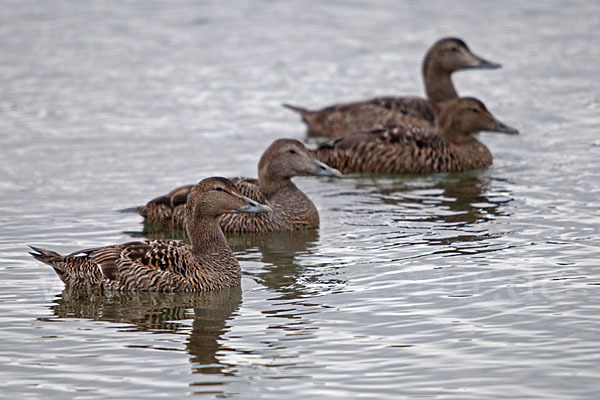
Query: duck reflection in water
(451, 202)
(279, 252)
(161, 313)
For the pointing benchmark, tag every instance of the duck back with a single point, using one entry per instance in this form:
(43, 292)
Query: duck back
(402, 150)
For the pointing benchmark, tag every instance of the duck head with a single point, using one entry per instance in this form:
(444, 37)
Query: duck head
(286, 158)
(443, 58)
(213, 197)
(463, 116)
(452, 54)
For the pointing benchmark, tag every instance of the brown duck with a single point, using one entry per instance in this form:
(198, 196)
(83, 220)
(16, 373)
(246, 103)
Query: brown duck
(443, 58)
(292, 209)
(449, 147)
(165, 266)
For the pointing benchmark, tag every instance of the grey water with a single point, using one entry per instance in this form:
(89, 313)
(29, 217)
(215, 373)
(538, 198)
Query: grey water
(477, 285)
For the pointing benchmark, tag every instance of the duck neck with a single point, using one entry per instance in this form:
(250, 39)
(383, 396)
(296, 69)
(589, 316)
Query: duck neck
(438, 83)
(451, 130)
(271, 186)
(292, 209)
(206, 237)
(470, 153)
(462, 152)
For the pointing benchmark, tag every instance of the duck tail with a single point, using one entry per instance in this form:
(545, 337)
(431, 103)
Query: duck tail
(304, 112)
(142, 210)
(49, 257)
(154, 206)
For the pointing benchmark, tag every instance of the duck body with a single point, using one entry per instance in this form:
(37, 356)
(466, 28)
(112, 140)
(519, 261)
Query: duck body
(446, 56)
(450, 147)
(163, 265)
(342, 119)
(291, 208)
(158, 265)
(398, 150)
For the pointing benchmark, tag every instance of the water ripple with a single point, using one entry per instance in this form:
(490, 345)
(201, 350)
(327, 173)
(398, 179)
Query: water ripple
(440, 286)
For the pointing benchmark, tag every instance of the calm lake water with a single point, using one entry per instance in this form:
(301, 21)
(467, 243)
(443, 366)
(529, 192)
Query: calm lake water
(463, 286)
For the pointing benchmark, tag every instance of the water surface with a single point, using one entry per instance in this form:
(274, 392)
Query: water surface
(477, 285)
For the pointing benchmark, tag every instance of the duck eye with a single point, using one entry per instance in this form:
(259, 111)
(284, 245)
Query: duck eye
(292, 151)
(454, 48)
(475, 110)
(220, 189)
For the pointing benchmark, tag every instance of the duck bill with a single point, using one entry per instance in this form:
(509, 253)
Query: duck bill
(325, 170)
(501, 127)
(482, 63)
(253, 207)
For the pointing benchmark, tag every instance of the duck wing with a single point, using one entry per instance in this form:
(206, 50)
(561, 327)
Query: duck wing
(161, 210)
(104, 258)
(174, 198)
(158, 255)
(398, 149)
(411, 106)
(341, 120)
(396, 135)
(157, 265)
(163, 255)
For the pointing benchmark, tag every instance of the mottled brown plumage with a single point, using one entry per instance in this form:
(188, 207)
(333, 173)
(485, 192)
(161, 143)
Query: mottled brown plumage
(165, 266)
(443, 58)
(292, 209)
(450, 147)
